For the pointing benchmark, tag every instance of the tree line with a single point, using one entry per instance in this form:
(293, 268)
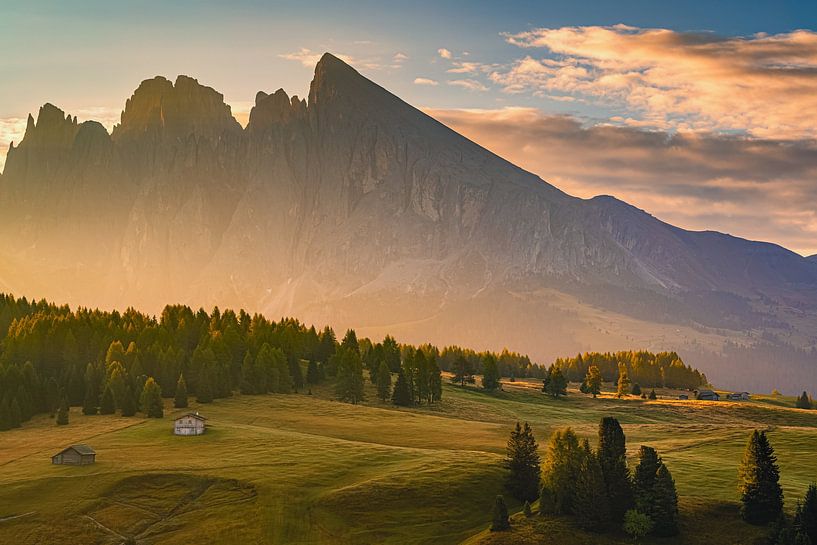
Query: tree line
(53, 358)
(650, 370)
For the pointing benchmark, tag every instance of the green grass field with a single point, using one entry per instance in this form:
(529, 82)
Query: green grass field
(306, 469)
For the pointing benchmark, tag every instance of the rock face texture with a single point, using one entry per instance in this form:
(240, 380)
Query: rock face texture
(353, 208)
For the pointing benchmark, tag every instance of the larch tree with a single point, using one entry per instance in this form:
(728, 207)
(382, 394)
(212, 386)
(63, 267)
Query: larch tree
(463, 371)
(623, 381)
(561, 469)
(555, 383)
(522, 463)
(759, 488)
(180, 399)
(612, 455)
(803, 402)
(592, 381)
(383, 382)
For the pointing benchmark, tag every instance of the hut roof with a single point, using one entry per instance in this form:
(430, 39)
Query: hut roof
(81, 449)
(194, 415)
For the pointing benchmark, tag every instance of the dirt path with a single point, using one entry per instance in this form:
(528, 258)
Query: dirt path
(12, 517)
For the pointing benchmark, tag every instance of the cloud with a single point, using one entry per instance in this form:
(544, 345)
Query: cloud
(425, 81)
(399, 57)
(470, 84)
(444, 53)
(760, 189)
(12, 129)
(761, 85)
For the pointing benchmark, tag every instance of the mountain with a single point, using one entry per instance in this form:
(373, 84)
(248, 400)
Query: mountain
(353, 207)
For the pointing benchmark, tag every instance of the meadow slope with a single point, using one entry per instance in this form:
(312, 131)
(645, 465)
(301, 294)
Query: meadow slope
(306, 469)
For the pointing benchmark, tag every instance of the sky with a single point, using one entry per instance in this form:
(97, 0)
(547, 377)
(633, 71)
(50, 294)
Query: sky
(704, 114)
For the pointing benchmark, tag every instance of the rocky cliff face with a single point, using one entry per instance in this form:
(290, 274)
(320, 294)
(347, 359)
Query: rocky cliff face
(355, 208)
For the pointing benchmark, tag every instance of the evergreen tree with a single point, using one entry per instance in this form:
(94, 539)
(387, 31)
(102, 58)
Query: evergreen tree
(463, 371)
(204, 390)
(383, 382)
(592, 381)
(313, 375)
(590, 502)
(501, 521)
(435, 381)
(664, 513)
(350, 342)
(636, 390)
(803, 402)
(151, 399)
(108, 405)
(15, 415)
(129, 402)
(401, 396)
(490, 373)
(636, 525)
(555, 384)
(5, 414)
(62, 412)
(52, 396)
(180, 399)
(523, 464)
(652, 395)
(89, 404)
(623, 381)
(350, 384)
(297, 374)
(807, 514)
(761, 495)
(613, 461)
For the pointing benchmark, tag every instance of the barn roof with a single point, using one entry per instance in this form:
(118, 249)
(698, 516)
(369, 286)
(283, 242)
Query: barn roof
(81, 449)
(194, 415)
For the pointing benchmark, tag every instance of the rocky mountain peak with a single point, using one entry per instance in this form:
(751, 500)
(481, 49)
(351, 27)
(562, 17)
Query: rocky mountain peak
(52, 129)
(175, 110)
(275, 109)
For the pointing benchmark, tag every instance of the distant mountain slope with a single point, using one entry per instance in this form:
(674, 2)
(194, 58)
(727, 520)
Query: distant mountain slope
(355, 208)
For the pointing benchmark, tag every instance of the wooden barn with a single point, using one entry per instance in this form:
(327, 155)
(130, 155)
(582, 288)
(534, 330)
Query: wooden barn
(738, 396)
(707, 395)
(189, 424)
(75, 455)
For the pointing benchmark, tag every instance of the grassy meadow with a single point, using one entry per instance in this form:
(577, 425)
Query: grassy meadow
(306, 469)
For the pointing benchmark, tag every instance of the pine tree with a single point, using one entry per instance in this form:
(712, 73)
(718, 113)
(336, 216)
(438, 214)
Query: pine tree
(401, 396)
(636, 390)
(52, 396)
(590, 502)
(592, 381)
(5, 414)
(313, 375)
(523, 464)
(501, 521)
(350, 341)
(180, 399)
(644, 478)
(15, 417)
(383, 381)
(151, 399)
(803, 402)
(652, 395)
(297, 374)
(108, 405)
(490, 373)
(129, 402)
(761, 495)
(62, 412)
(613, 461)
(89, 404)
(435, 381)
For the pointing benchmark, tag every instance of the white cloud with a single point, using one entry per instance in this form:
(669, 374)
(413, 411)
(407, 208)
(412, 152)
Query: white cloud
(470, 84)
(399, 57)
(444, 53)
(762, 85)
(425, 81)
(310, 58)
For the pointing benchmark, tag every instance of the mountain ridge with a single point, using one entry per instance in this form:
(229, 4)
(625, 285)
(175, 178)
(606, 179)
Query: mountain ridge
(353, 207)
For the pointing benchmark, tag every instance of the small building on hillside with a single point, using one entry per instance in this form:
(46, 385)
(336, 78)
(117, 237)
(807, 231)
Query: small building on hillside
(707, 395)
(189, 424)
(683, 396)
(738, 396)
(75, 455)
